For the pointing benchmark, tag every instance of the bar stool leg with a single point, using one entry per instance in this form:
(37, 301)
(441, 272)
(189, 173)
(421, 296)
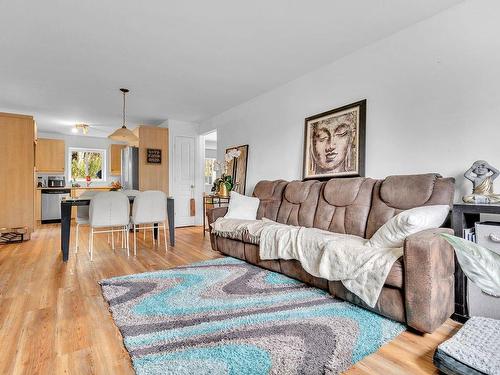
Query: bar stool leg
(127, 240)
(76, 244)
(135, 241)
(165, 235)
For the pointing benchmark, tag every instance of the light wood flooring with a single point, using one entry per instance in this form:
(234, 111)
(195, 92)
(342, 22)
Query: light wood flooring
(54, 320)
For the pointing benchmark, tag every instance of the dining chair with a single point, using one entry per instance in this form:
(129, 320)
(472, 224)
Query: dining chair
(135, 193)
(149, 208)
(108, 211)
(82, 215)
(129, 193)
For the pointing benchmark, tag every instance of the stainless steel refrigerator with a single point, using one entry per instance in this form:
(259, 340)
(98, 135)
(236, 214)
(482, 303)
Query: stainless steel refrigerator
(130, 168)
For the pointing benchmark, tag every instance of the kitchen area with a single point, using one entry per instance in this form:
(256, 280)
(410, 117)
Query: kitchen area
(58, 175)
(71, 166)
(40, 170)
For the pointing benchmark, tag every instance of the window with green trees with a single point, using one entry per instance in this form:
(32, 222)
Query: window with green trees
(87, 162)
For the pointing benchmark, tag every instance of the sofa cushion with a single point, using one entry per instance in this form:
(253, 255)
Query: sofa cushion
(344, 205)
(270, 194)
(398, 193)
(297, 192)
(299, 203)
(342, 192)
(409, 191)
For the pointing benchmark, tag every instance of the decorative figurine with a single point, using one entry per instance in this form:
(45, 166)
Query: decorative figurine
(482, 176)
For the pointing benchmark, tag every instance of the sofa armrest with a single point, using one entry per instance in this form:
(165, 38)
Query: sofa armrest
(212, 215)
(429, 268)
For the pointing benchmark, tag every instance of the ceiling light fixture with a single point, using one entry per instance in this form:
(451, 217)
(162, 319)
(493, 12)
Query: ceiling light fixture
(123, 134)
(83, 127)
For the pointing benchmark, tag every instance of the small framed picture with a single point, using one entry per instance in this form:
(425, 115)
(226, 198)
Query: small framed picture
(334, 142)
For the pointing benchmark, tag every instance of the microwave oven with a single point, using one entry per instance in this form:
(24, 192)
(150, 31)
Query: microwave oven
(55, 181)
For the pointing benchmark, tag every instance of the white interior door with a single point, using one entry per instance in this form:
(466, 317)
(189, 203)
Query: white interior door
(184, 179)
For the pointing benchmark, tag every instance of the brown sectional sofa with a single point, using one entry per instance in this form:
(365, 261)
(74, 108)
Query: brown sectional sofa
(419, 289)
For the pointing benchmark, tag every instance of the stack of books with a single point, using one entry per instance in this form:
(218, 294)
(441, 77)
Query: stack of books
(469, 234)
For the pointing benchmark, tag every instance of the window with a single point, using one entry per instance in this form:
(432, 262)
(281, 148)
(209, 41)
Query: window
(85, 162)
(209, 171)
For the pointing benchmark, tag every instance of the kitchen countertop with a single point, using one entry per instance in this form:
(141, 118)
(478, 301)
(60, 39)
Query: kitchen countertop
(75, 187)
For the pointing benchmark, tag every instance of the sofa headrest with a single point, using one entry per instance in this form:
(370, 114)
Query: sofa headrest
(297, 191)
(408, 191)
(342, 192)
(266, 189)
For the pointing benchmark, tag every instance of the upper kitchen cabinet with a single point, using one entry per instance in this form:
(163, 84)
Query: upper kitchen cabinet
(16, 171)
(115, 152)
(50, 155)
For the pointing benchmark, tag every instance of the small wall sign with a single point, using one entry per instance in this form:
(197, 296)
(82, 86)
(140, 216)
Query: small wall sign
(153, 155)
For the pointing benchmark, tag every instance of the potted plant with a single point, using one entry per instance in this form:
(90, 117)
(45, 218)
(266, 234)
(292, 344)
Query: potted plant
(224, 184)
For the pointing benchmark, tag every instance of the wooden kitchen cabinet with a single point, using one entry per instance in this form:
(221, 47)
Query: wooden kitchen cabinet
(17, 176)
(115, 152)
(50, 155)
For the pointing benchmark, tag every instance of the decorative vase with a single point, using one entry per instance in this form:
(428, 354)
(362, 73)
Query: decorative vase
(223, 191)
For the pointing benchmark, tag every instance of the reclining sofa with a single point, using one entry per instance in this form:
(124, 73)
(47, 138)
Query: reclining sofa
(419, 289)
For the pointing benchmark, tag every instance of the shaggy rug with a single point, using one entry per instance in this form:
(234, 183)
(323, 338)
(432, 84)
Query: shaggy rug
(226, 316)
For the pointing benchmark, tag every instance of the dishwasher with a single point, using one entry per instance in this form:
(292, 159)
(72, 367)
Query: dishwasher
(51, 204)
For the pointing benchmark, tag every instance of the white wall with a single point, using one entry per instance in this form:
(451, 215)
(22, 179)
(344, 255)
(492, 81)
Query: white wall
(433, 102)
(84, 142)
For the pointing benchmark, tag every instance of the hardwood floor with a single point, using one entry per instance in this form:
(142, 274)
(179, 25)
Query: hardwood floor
(54, 320)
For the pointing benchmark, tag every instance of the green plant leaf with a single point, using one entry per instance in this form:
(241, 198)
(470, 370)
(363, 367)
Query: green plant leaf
(480, 265)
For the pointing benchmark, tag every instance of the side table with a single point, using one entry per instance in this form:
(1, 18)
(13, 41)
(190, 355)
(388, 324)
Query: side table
(212, 201)
(465, 215)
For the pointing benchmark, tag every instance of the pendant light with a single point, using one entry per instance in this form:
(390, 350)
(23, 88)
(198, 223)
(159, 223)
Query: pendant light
(123, 134)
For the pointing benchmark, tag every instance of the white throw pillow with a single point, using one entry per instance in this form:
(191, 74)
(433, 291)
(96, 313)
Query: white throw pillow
(394, 232)
(242, 207)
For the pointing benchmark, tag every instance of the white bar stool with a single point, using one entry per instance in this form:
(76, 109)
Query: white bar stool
(82, 216)
(150, 207)
(130, 193)
(109, 210)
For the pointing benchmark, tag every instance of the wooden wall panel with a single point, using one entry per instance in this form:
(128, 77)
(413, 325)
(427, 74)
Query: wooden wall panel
(153, 176)
(17, 173)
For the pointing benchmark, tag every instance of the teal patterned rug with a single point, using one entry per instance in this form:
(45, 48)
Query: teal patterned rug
(226, 316)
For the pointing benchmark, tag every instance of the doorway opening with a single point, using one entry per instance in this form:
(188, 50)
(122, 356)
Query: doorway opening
(210, 144)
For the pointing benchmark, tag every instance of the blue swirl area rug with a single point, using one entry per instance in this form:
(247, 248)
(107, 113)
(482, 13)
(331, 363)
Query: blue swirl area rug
(226, 316)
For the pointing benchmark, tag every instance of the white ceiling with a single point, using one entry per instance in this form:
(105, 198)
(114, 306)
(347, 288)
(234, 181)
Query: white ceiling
(65, 60)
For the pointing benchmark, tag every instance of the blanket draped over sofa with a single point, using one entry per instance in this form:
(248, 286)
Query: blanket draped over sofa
(419, 287)
(361, 269)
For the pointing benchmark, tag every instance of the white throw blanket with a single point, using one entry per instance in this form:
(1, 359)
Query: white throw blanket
(361, 269)
(234, 228)
(336, 257)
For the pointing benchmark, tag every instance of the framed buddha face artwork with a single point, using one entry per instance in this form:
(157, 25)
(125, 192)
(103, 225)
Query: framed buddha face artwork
(334, 142)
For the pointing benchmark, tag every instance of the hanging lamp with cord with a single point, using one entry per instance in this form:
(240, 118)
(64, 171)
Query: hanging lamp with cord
(123, 134)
